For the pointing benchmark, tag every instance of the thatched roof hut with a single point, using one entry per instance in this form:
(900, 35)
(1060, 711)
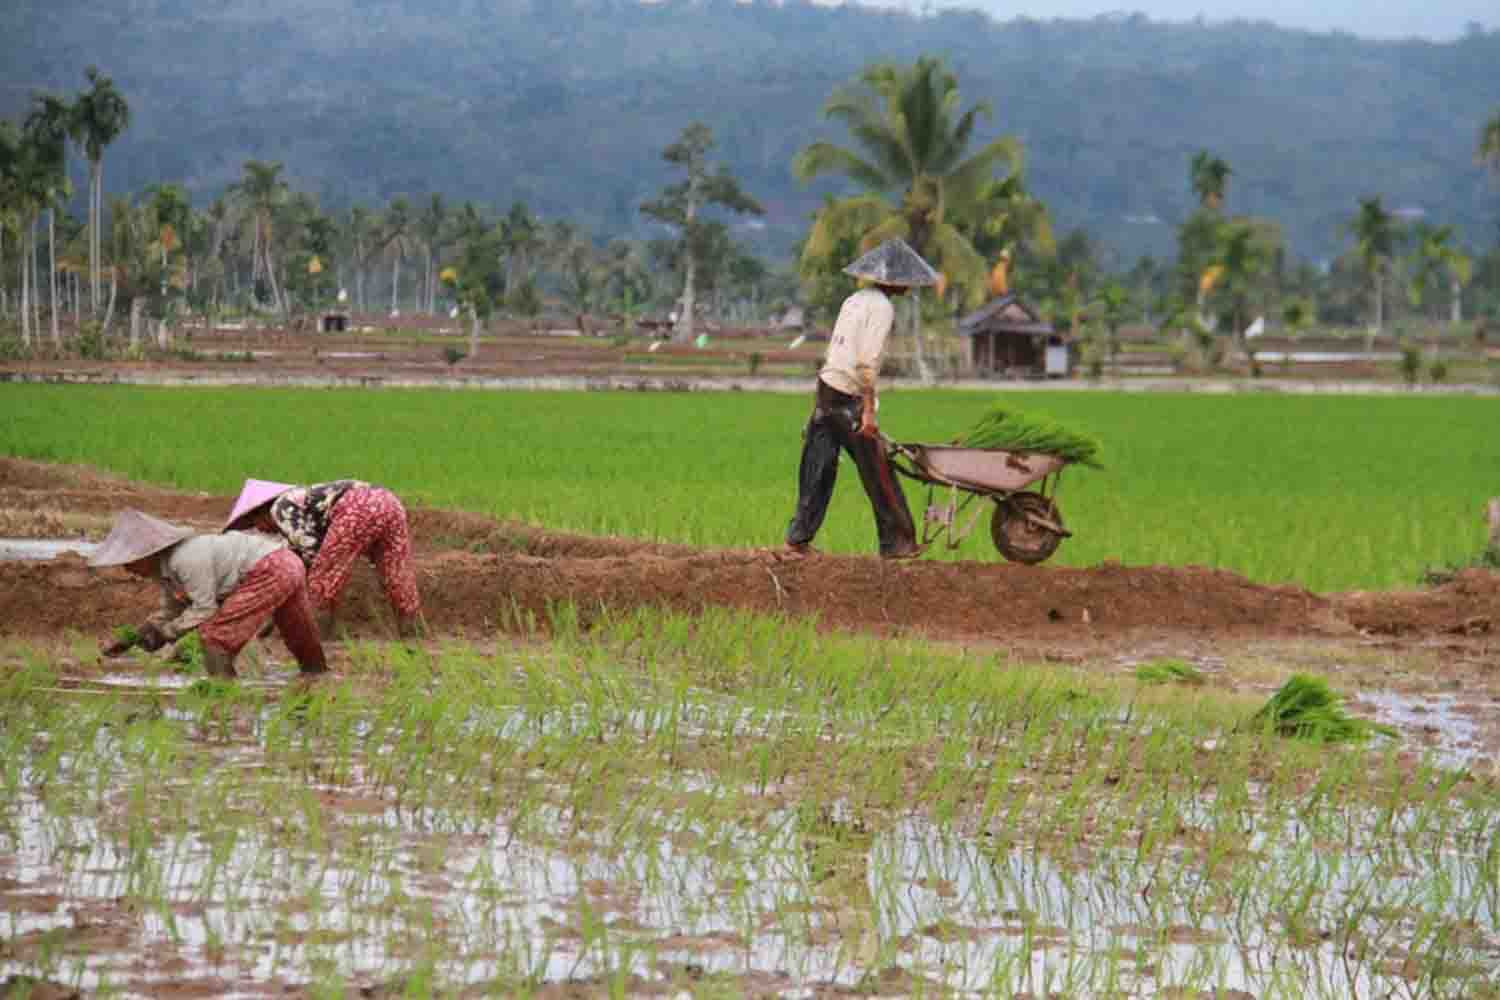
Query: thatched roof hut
(1009, 338)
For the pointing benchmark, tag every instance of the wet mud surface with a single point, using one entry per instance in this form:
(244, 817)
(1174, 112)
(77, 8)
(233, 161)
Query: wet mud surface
(478, 575)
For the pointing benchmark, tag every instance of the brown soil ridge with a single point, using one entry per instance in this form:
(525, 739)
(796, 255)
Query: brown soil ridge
(478, 575)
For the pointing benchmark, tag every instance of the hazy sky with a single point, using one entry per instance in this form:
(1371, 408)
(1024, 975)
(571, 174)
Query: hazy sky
(1439, 20)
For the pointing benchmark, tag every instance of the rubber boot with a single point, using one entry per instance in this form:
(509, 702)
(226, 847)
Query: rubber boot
(218, 662)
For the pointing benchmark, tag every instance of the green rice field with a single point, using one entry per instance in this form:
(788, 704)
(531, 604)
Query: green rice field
(719, 806)
(1330, 493)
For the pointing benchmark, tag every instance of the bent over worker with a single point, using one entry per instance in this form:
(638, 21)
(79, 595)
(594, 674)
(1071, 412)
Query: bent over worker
(330, 525)
(843, 414)
(226, 586)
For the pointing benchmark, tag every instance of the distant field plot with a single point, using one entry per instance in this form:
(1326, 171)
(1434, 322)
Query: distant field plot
(1330, 493)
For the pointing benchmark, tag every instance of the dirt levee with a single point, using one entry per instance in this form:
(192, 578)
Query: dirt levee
(477, 575)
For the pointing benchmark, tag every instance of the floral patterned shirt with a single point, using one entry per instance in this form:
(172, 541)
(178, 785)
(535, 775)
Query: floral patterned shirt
(302, 515)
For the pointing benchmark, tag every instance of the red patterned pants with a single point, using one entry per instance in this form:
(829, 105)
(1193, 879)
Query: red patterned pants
(371, 522)
(275, 586)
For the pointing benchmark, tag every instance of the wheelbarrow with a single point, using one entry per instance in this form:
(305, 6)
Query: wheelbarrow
(1025, 524)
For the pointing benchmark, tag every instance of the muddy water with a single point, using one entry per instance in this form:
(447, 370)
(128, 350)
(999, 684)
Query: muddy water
(41, 549)
(395, 888)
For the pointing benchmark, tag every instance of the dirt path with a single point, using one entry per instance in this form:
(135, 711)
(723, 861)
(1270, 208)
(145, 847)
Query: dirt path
(476, 573)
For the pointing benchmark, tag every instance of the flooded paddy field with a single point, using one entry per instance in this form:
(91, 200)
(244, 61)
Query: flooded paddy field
(725, 804)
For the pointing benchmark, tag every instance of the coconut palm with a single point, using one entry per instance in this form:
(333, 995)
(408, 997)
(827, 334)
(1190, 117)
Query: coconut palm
(1209, 176)
(1376, 235)
(100, 114)
(917, 171)
(1435, 258)
(432, 230)
(358, 238)
(262, 192)
(46, 129)
(1006, 224)
(912, 165)
(395, 236)
(520, 237)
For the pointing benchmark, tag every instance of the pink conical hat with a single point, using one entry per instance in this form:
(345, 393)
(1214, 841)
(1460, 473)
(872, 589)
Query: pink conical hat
(256, 493)
(136, 536)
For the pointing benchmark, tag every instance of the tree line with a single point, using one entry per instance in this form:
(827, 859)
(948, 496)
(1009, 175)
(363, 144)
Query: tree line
(915, 169)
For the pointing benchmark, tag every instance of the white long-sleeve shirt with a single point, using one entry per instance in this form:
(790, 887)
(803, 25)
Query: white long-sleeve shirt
(858, 341)
(202, 570)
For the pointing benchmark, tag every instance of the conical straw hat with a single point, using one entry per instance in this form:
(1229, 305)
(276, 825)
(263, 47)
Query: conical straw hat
(894, 263)
(136, 536)
(254, 494)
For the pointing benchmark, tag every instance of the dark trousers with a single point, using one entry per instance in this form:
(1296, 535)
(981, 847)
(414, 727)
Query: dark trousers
(834, 425)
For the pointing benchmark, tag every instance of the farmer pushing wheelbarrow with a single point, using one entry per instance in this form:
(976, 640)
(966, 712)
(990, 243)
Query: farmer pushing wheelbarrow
(843, 414)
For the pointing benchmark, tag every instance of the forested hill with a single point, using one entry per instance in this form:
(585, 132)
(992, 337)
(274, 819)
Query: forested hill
(567, 103)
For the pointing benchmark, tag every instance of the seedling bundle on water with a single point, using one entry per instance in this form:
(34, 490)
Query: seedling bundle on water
(1307, 708)
(1004, 429)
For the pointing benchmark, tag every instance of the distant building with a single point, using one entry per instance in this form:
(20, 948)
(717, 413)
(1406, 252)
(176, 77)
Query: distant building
(1008, 339)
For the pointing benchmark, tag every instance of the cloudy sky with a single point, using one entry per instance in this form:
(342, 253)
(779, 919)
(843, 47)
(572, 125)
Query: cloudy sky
(1439, 20)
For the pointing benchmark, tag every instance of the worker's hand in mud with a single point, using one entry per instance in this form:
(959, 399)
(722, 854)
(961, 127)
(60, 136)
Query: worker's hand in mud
(151, 638)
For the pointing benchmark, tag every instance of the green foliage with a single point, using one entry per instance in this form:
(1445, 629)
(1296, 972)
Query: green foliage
(188, 654)
(1168, 672)
(1005, 429)
(457, 106)
(1306, 708)
(127, 634)
(453, 355)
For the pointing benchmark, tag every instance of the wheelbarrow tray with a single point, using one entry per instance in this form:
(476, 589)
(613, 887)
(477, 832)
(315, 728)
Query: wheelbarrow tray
(982, 470)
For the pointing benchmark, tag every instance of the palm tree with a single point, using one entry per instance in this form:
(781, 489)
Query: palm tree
(100, 114)
(358, 233)
(10, 144)
(262, 192)
(915, 167)
(1242, 260)
(395, 235)
(1376, 234)
(432, 229)
(1009, 222)
(47, 130)
(1209, 176)
(519, 237)
(1434, 258)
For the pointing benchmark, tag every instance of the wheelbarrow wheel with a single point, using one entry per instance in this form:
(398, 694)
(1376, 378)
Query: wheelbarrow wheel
(1018, 535)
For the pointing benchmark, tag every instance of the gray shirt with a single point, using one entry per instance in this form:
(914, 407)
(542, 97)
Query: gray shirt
(200, 571)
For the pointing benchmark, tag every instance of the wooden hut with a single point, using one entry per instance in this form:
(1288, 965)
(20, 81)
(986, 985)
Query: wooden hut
(1008, 339)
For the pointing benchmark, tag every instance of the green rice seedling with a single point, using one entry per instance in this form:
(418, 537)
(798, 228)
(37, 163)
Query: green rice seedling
(1004, 428)
(1168, 672)
(1306, 708)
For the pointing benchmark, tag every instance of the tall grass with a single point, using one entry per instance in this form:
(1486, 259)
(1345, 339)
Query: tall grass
(1325, 492)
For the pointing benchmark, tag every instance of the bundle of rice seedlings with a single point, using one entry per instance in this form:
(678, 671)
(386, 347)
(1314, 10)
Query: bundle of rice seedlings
(1168, 672)
(1009, 430)
(1306, 708)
